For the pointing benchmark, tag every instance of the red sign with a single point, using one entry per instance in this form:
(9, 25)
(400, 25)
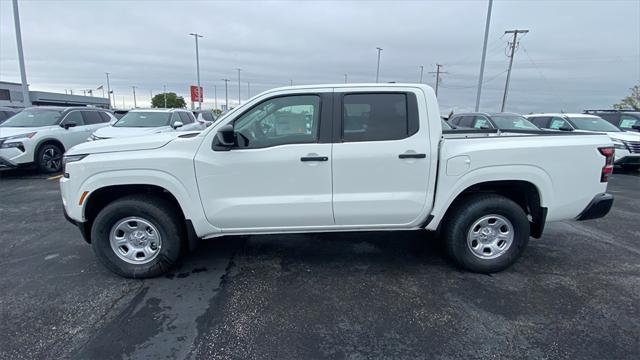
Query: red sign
(195, 94)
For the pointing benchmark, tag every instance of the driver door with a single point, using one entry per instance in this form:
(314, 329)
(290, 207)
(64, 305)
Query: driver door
(278, 175)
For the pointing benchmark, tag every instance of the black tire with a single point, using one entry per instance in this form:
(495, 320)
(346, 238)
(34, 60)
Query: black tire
(462, 216)
(160, 213)
(49, 158)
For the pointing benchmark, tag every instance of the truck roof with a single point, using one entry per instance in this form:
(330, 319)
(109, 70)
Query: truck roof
(563, 115)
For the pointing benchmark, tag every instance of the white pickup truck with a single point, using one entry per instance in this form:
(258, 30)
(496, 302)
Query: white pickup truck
(331, 158)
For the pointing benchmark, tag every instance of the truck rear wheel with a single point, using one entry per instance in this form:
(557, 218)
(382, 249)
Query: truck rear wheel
(486, 233)
(137, 236)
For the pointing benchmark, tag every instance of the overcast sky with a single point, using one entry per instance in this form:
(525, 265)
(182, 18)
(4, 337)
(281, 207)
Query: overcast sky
(578, 54)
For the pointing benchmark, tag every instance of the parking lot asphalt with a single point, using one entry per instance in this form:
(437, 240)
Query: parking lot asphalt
(575, 293)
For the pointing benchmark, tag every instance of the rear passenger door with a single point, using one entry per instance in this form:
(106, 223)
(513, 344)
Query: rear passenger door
(380, 158)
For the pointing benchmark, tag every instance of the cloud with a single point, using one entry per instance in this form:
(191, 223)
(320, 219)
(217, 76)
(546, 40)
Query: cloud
(578, 54)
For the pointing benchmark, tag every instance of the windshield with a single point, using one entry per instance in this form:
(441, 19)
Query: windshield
(144, 119)
(593, 124)
(33, 118)
(513, 122)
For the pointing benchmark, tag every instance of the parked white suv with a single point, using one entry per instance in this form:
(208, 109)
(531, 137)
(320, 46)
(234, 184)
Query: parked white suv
(141, 122)
(627, 143)
(41, 135)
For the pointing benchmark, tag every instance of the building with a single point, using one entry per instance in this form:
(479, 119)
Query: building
(11, 96)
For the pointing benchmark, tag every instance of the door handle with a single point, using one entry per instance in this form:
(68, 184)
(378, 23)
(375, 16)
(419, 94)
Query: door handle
(314, 158)
(412, 156)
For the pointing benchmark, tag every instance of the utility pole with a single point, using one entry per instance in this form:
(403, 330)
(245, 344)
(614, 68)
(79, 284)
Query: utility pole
(239, 98)
(196, 36)
(248, 89)
(345, 78)
(23, 72)
(421, 72)
(109, 92)
(226, 94)
(378, 68)
(135, 105)
(114, 101)
(438, 73)
(484, 55)
(514, 44)
(291, 82)
(164, 89)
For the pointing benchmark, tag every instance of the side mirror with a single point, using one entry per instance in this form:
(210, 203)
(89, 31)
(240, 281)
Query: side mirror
(565, 128)
(68, 124)
(177, 124)
(225, 138)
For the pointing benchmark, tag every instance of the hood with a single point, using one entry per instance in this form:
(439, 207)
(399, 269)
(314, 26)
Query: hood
(11, 131)
(625, 135)
(148, 142)
(121, 132)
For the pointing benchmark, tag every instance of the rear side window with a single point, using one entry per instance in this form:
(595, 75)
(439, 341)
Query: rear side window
(208, 116)
(375, 117)
(187, 118)
(92, 118)
(466, 121)
(104, 116)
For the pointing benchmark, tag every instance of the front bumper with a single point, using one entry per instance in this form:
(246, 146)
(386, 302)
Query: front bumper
(6, 163)
(82, 226)
(629, 160)
(597, 208)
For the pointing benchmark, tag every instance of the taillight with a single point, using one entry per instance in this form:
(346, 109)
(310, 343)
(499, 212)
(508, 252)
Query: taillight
(607, 169)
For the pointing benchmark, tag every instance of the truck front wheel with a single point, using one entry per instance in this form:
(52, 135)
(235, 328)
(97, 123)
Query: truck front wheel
(137, 236)
(486, 233)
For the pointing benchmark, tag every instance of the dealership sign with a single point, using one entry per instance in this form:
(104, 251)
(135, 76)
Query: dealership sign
(196, 93)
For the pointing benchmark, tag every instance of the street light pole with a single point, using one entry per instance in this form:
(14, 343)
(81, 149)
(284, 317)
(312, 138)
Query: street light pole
(23, 72)
(484, 55)
(378, 68)
(239, 98)
(226, 94)
(164, 89)
(215, 97)
(345, 78)
(196, 36)
(421, 72)
(109, 91)
(135, 105)
(248, 90)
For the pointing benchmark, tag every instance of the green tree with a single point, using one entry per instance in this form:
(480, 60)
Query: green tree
(173, 101)
(632, 101)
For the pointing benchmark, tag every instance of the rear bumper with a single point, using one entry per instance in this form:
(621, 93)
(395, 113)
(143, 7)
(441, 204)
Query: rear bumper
(597, 208)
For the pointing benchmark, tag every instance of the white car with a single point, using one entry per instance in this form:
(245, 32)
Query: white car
(140, 122)
(347, 157)
(627, 143)
(205, 117)
(41, 135)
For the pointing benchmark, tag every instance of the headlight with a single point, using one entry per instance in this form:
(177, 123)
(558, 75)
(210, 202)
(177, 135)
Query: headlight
(21, 136)
(71, 158)
(18, 145)
(619, 145)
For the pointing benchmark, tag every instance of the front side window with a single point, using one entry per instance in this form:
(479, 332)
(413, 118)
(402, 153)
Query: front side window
(74, 117)
(513, 122)
(143, 119)
(374, 117)
(34, 118)
(627, 122)
(557, 123)
(482, 122)
(187, 118)
(593, 124)
(279, 121)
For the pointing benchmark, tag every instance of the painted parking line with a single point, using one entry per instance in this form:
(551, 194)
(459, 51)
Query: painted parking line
(55, 177)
